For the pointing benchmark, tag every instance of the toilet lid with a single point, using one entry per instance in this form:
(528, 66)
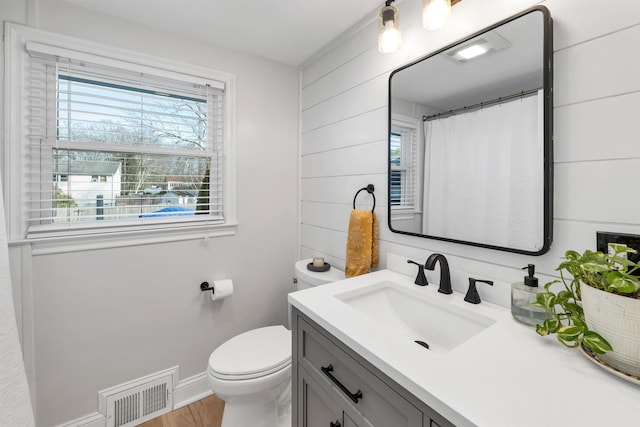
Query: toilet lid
(252, 354)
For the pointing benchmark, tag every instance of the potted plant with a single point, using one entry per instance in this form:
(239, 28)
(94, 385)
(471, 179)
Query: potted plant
(598, 307)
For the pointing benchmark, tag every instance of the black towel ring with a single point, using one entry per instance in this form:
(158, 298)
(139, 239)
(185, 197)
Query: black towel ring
(369, 189)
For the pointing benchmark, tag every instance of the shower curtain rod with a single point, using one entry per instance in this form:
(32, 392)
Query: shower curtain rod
(481, 104)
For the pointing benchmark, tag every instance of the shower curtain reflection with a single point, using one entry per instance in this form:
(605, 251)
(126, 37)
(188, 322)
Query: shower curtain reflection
(482, 180)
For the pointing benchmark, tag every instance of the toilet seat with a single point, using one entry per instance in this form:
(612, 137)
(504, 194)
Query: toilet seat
(252, 354)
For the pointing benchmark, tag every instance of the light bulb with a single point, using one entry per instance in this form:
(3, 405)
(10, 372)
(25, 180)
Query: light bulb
(389, 36)
(389, 39)
(435, 13)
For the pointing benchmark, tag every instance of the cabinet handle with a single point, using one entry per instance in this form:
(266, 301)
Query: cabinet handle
(336, 424)
(353, 396)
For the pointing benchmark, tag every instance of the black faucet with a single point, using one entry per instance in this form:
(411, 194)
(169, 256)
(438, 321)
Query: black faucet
(472, 293)
(421, 279)
(445, 276)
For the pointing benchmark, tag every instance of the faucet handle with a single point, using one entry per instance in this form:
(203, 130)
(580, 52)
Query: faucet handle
(421, 279)
(472, 293)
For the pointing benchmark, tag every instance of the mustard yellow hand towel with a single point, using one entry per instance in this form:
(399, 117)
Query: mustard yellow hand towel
(362, 243)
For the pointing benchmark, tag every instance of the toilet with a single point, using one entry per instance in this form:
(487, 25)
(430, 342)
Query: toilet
(251, 372)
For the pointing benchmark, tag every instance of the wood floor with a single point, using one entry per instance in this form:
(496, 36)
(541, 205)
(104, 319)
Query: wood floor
(203, 413)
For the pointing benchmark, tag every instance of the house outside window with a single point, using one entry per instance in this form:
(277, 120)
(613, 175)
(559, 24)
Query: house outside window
(83, 191)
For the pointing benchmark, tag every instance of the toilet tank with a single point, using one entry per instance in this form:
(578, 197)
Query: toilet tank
(307, 278)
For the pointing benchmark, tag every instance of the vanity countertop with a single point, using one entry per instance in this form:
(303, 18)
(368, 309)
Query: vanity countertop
(505, 376)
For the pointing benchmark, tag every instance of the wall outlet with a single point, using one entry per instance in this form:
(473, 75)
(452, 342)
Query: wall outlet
(603, 238)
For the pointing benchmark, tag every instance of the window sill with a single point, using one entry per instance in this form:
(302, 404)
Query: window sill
(399, 214)
(117, 239)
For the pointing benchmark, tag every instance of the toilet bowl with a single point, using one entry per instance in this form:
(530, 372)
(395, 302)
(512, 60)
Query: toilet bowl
(251, 372)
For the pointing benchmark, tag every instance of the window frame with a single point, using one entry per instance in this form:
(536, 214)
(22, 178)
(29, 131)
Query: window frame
(16, 129)
(407, 122)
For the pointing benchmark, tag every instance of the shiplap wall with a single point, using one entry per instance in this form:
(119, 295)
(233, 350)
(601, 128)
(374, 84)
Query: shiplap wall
(597, 148)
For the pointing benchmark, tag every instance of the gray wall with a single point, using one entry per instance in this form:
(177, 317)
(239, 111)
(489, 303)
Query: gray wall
(597, 162)
(95, 319)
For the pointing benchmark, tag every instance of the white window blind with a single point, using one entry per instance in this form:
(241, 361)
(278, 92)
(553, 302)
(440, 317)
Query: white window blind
(113, 146)
(403, 174)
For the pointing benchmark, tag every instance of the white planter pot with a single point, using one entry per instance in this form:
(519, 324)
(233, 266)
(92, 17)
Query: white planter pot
(617, 319)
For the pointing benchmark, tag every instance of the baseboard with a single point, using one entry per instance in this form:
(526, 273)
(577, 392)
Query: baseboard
(190, 390)
(92, 420)
(187, 391)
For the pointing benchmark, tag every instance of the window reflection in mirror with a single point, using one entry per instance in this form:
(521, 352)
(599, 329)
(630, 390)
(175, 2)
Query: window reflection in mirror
(470, 139)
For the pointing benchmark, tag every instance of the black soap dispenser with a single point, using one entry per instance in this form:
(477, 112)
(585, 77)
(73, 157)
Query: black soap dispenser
(523, 294)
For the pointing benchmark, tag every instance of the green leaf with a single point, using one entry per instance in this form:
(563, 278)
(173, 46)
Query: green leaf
(622, 284)
(579, 322)
(596, 342)
(613, 275)
(548, 285)
(570, 333)
(563, 297)
(573, 309)
(622, 262)
(571, 254)
(570, 265)
(552, 325)
(542, 330)
(622, 249)
(546, 300)
(592, 267)
(570, 344)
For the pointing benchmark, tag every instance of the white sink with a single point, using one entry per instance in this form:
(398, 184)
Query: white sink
(431, 319)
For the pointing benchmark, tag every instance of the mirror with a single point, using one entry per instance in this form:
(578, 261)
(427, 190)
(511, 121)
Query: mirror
(470, 139)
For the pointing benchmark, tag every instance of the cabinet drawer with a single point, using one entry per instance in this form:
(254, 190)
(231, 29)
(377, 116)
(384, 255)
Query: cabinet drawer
(313, 394)
(319, 410)
(378, 403)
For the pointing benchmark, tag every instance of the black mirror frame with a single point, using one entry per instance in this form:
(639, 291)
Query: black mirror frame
(547, 41)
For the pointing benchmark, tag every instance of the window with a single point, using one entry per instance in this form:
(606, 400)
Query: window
(114, 144)
(403, 142)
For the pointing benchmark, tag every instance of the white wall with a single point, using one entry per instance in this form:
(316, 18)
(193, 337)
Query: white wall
(597, 162)
(94, 319)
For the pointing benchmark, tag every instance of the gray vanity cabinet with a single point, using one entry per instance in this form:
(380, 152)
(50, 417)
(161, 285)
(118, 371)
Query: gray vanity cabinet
(334, 386)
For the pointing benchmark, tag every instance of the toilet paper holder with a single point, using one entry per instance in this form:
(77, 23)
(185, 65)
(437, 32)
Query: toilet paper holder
(204, 286)
(220, 289)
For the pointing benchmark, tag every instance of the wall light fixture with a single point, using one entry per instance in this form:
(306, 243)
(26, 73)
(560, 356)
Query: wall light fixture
(435, 14)
(389, 36)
